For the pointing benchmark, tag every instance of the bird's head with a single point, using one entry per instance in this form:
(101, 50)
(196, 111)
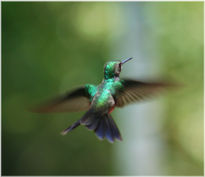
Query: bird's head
(113, 68)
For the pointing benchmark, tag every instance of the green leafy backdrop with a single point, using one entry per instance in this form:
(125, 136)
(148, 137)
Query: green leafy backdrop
(49, 48)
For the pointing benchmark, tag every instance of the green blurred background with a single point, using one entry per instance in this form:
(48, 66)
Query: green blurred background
(51, 47)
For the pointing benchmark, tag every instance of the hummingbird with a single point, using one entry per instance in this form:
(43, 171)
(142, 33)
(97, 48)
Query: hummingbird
(100, 100)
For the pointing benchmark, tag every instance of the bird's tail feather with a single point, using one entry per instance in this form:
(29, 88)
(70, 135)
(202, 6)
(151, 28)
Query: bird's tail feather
(103, 125)
(73, 126)
(88, 115)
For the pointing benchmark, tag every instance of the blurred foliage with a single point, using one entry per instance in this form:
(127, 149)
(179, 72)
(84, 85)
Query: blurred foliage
(51, 47)
(180, 42)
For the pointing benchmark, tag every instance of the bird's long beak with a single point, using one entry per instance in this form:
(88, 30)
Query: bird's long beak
(126, 60)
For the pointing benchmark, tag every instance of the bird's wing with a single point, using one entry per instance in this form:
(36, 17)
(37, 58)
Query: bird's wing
(76, 100)
(133, 91)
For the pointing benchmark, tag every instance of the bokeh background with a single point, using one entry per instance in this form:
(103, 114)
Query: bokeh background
(49, 48)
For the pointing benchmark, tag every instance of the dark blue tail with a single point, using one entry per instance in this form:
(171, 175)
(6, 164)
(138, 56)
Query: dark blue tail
(103, 125)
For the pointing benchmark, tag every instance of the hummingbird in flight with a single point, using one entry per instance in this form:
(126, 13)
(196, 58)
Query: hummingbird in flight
(100, 100)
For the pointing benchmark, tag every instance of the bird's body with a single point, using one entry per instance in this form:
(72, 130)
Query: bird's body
(100, 101)
(103, 99)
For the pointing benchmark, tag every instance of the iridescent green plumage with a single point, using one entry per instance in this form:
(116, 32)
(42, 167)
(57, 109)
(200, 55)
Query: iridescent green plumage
(109, 70)
(102, 99)
(91, 89)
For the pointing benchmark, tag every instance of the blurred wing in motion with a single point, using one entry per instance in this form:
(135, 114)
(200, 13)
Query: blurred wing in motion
(77, 100)
(133, 91)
